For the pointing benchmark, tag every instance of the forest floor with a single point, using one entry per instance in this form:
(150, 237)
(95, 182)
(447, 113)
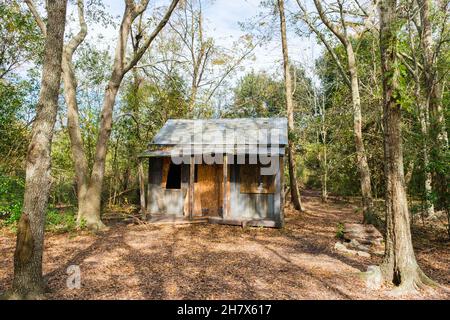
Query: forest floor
(198, 261)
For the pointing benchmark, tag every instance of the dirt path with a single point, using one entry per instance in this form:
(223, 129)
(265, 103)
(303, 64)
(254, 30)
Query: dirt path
(219, 262)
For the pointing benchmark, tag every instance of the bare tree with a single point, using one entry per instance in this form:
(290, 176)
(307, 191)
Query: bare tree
(295, 193)
(207, 64)
(191, 33)
(341, 31)
(28, 280)
(399, 266)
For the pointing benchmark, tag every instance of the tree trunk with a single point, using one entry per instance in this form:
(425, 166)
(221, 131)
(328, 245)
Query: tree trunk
(361, 158)
(341, 32)
(399, 266)
(90, 204)
(324, 157)
(28, 281)
(295, 193)
(324, 173)
(423, 118)
(73, 123)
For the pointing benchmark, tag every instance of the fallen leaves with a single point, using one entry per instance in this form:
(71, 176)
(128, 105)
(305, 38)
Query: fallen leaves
(142, 261)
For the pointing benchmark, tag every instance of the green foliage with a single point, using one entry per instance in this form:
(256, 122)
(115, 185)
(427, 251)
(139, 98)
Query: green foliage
(340, 231)
(19, 35)
(11, 200)
(11, 197)
(57, 221)
(160, 88)
(257, 95)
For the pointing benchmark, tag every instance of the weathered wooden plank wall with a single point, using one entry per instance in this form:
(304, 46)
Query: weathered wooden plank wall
(240, 205)
(161, 200)
(250, 205)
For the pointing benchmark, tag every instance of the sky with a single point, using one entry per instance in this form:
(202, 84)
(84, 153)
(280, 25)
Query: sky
(222, 23)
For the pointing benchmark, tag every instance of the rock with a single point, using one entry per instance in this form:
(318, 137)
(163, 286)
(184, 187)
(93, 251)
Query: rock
(365, 234)
(363, 254)
(339, 246)
(437, 216)
(377, 250)
(364, 237)
(342, 247)
(374, 278)
(354, 244)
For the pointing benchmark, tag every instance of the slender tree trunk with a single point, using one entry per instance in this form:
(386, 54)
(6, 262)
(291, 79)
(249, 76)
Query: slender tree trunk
(433, 86)
(325, 175)
(438, 132)
(341, 32)
(423, 119)
(361, 158)
(295, 193)
(324, 160)
(192, 99)
(89, 207)
(73, 125)
(28, 281)
(399, 266)
(73, 122)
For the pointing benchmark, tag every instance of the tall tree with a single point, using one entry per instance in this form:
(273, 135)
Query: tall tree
(28, 280)
(295, 193)
(433, 95)
(399, 266)
(341, 31)
(89, 209)
(414, 68)
(70, 87)
(89, 183)
(431, 52)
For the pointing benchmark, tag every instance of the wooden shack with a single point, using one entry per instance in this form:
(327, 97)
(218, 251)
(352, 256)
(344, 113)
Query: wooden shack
(227, 171)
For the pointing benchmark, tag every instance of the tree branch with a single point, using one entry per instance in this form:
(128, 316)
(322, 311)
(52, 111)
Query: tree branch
(37, 17)
(329, 24)
(81, 35)
(138, 55)
(325, 42)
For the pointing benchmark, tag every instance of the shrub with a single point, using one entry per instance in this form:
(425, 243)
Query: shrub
(58, 221)
(11, 197)
(340, 231)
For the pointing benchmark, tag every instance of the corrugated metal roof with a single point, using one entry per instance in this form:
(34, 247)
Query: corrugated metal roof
(241, 131)
(212, 149)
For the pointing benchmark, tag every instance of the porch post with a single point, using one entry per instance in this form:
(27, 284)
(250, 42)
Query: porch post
(191, 186)
(281, 170)
(225, 186)
(142, 188)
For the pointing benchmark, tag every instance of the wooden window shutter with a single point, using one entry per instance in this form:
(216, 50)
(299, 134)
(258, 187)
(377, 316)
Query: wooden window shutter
(251, 180)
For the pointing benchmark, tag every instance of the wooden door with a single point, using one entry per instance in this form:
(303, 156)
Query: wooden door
(208, 190)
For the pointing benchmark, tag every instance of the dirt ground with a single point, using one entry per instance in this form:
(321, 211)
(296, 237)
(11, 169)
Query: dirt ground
(224, 262)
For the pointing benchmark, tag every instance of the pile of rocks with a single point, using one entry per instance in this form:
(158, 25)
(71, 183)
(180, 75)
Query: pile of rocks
(361, 240)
